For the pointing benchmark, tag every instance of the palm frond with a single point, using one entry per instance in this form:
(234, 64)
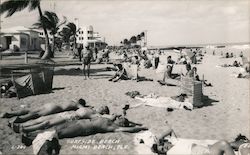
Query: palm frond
(34, 4)
(12, 6)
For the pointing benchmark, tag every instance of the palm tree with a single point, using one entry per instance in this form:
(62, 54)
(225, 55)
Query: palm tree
(65, 34)
(133, 39)
(13, 6)
(51, 23)
(73, 31)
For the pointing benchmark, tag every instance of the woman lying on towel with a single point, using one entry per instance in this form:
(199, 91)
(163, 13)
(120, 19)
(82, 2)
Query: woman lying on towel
(120, 74)
(88, 127)
(44, 110)
(163, 145)
(48, 121)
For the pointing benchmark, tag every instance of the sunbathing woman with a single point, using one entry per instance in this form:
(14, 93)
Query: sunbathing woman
(47, 109)
(120, 74)
(162, 146)
(48, 121)
(86, 127)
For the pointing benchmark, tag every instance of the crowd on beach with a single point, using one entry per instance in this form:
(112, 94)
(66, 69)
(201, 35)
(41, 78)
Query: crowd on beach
(44, 126)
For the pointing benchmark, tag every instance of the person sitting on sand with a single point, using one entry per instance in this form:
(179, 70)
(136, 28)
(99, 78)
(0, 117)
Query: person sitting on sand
(46, 109)
(48, 121)
(86, 127)
(87, 56)
(120, 74)
(168, 73)
(169, 60)
(163, 145)
(193, 73)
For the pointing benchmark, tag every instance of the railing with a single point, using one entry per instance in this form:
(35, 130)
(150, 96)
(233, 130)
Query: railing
(16, 54)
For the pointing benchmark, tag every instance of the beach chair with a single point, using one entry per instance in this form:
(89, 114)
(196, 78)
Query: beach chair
(32, 81)
(132, 70)
(193, 89)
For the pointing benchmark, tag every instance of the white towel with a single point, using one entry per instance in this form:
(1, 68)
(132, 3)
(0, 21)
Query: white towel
(41, 139)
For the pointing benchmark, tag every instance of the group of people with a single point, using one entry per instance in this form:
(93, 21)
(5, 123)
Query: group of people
(75, 119)
(68, 120)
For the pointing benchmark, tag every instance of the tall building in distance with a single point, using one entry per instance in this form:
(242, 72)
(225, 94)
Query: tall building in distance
(88, 37)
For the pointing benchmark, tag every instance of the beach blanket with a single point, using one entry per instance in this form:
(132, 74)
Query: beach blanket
(41, 138)
(181, 146)
(163, 102)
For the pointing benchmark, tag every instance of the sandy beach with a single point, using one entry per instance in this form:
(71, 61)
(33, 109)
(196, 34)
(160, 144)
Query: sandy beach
(225, 118)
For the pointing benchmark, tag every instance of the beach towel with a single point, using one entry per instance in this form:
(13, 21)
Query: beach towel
(163, 102)
(41, 138)
(181, 146)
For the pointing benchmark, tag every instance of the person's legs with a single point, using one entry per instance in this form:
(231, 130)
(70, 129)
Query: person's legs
(84, 73)
(40, 126)
(221, 148)
(15, 113)
(88, 69)
(29, 116)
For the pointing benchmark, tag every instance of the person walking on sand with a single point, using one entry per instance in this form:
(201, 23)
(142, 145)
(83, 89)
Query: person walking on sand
(87, 56)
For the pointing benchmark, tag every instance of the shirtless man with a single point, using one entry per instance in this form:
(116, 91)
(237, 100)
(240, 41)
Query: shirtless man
(86, 127)
(87, 56)
(44, 110)
(48, 121)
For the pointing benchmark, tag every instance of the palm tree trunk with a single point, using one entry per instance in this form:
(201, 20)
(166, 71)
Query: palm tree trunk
(47, 52)
(53, 46)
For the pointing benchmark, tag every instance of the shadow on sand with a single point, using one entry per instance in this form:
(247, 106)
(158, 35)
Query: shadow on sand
(208, 101)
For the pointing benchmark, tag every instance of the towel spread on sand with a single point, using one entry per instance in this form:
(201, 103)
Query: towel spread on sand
(181, 146)
(41, 139)
(163, 102)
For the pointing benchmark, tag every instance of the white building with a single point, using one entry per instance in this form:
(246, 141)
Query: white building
(88, 37)
(20, 38)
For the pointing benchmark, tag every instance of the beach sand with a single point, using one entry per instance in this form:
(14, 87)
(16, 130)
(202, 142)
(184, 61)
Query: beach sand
(223, 119)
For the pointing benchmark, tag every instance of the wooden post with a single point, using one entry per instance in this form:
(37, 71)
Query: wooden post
(26, 57)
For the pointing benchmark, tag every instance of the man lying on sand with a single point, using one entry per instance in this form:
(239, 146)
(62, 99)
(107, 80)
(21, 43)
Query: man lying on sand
(163, 145)
(46, 109)
(48, 121)
(88, 127)
(120, 74)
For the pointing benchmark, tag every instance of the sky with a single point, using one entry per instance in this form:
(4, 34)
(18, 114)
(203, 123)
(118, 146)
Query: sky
(168, 22)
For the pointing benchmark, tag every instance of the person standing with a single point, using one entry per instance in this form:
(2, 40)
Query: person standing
(87, 56)
(157, 58)
(79, 49)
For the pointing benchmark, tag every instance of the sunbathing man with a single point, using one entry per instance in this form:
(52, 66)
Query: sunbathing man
(120, 74)
(59, 118)
(46, 109)
(162, 146)
(86, 127)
